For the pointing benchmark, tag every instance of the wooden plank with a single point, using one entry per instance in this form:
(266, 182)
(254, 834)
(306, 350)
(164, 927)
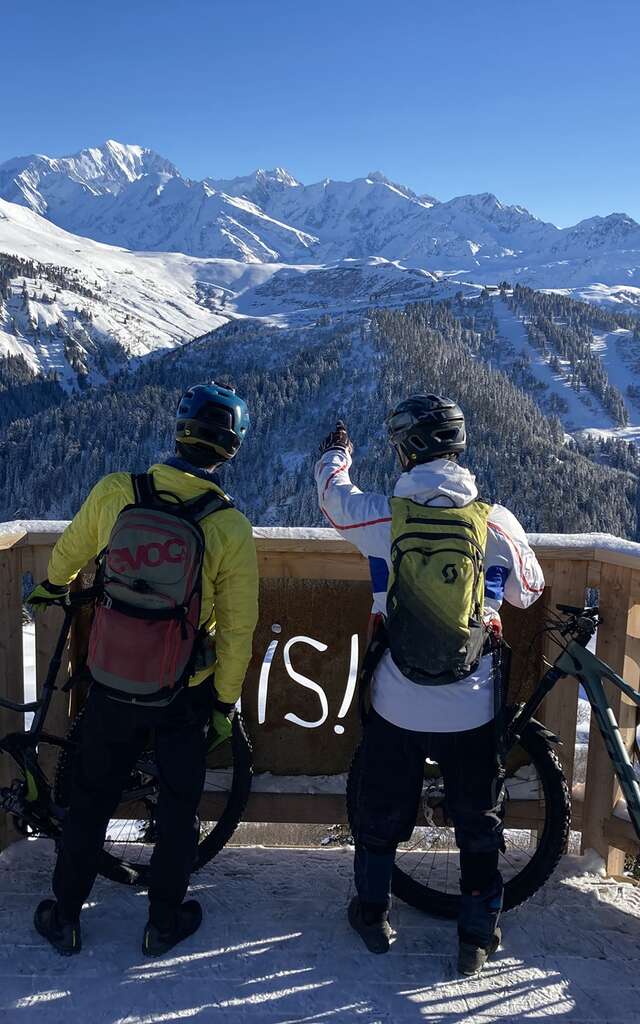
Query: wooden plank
(19, 534)
(590, 548)
(316, 809)
(615, 597)
(546, 553)
(622, 835)
(48, 625)
(11, 669)
(314, 564)
(560, 709)
(609, 556)
(284, 808)
(14, 537)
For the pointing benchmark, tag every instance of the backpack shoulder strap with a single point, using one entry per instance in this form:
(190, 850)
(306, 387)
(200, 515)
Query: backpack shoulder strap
(208, 503)
(144, 492)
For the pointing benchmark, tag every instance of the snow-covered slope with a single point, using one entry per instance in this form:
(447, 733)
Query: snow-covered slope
(346, 285)
(85, 298)
(54, 186)
(580, 410)
(80, 307)
(128, 196)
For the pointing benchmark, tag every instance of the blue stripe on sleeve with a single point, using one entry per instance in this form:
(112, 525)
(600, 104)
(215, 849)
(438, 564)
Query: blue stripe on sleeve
(495, 579)
(379, 575)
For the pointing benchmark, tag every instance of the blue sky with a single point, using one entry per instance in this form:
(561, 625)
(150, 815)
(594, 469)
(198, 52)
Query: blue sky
(536, 101)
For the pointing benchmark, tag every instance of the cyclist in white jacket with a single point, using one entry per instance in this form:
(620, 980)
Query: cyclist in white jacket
(452, 723)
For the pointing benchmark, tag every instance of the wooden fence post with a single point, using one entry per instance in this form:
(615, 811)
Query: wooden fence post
(568, 585)
(11, 668)
(619, 645)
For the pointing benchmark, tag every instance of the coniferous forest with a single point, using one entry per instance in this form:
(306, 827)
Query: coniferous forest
(297, 382)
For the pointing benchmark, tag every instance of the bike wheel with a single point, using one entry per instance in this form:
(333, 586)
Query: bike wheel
(129, 841)
(426, 874)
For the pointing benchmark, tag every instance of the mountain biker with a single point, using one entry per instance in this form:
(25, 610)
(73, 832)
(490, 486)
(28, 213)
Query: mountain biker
(452, 720)
(211, 424)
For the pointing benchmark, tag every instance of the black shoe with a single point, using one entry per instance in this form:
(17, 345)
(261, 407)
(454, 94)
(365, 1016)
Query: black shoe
(478, 932)
(64, 936)
(188, 919)
(371, 921)
(471, 959)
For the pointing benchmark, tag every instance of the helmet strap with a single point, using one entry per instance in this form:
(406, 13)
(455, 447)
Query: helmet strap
(199, 456)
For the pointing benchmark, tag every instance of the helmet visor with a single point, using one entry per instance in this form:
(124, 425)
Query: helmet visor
(398, 422)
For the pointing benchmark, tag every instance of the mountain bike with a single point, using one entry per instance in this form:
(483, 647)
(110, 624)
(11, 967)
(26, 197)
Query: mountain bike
(537, 801)
(38, 805)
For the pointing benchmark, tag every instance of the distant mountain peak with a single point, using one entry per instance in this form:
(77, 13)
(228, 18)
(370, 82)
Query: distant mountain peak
(116, 162)
(52, 186)
(258, 186)
(279, 174)
(384, 180)
(610, 220)
(378, 177)
(603, 233)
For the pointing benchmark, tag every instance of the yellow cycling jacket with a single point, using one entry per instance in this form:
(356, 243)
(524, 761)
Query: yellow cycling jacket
(229, 576)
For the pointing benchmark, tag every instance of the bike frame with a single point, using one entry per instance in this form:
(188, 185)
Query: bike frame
(22, 746)
(576, 660)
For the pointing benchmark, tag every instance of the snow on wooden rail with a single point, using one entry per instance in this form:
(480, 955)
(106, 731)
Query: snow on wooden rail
(299, 696)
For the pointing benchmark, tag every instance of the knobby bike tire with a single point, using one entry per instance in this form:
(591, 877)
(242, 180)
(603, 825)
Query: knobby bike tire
(118, 869)
(551, 845)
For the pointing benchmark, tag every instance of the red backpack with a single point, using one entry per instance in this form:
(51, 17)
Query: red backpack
(146, 630)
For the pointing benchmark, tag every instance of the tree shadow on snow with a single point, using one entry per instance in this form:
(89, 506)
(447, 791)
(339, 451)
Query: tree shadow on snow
(275, 948)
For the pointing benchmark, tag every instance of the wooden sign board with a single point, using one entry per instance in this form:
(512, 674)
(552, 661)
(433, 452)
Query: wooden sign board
(299, 699)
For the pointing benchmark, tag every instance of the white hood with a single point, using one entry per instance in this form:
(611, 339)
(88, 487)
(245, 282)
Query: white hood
(440, 482)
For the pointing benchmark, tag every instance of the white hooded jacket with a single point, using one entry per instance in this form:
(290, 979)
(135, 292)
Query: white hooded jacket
(512, 573)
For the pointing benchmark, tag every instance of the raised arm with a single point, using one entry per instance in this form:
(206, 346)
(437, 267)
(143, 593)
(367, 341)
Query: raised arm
(363, 518)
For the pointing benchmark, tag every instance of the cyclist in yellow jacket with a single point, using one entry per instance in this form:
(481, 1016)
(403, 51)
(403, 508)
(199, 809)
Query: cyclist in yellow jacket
(212, 422)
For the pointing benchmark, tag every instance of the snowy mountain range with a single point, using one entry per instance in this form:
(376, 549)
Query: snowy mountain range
(128, 196)
(111, 255)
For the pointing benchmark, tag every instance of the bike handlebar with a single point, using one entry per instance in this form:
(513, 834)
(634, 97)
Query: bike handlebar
(24, 708)
(581, 623)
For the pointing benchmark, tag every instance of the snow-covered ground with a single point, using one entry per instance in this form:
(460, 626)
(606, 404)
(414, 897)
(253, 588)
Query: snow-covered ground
(275, 948)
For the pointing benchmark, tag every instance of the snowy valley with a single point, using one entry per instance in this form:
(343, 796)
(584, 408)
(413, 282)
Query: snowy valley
(122, 281)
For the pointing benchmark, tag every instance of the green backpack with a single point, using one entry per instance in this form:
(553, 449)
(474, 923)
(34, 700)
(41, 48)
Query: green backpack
(436, 590)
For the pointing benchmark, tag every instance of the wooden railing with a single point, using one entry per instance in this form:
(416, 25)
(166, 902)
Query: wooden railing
(299, 696)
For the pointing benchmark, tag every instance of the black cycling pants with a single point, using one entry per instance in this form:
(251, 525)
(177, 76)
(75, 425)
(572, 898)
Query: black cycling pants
(388, 795)
(113, 736)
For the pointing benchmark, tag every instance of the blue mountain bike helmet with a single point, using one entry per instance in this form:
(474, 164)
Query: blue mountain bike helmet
(211, 423)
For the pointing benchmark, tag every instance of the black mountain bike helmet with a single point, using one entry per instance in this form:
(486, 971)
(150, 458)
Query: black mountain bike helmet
(426, 427)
